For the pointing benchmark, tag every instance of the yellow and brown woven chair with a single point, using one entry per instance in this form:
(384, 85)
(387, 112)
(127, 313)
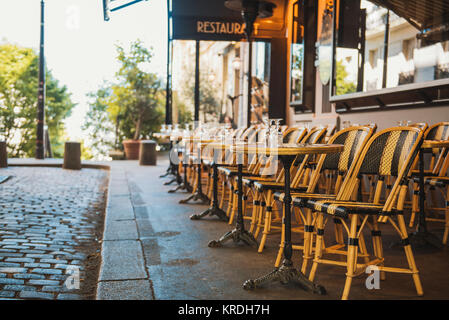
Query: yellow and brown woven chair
(354, 140)
(228, 172)
(267, 173)
(258, 168)
(390, 152)
(436, 179)
(263, 190)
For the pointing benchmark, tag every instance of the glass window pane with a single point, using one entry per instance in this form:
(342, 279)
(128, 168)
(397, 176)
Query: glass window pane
(413, 55)
(297, 53)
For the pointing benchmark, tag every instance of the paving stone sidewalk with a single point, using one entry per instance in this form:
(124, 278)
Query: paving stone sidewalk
(152, 250)
(50, 223)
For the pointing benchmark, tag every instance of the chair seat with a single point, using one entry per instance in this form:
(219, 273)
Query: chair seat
(208, 162)
(434, 181)
(299, 198)
(270, 185)
(342, 209)
(250, 181)
(232, 172)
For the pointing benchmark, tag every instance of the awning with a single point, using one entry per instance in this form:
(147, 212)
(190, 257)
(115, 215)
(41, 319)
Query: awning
(421, 14)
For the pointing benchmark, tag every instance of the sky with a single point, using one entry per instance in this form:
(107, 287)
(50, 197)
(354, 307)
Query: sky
(80, 45)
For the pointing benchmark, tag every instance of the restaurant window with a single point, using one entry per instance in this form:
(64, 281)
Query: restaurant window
(376, 48)
(260, 81)
(302, 49)
(297, 52)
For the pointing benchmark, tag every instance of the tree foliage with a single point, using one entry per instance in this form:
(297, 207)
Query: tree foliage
(343, 86)
(210, 106)
(131, 105)
(19, 69)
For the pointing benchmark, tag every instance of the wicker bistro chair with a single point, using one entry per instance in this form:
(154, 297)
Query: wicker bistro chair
(265, 171)
(228, 171)
(262, 190)
(437, 178)
(353, 139)
(388, 153)
(258, 168)
(192, 158)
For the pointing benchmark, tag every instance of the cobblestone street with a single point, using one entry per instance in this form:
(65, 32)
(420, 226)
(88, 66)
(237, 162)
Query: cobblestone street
(50, 223)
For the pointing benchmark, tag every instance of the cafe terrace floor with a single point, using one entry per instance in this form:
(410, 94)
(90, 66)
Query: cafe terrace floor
(152, 250)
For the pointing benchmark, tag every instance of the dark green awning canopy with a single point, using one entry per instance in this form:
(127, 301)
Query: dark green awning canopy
(422, 14)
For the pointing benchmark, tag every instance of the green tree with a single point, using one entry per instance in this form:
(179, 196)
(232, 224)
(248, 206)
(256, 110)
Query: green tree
(18, 102)
(184, 114)
(131, 106)
(210, 106)
(343, 86)
(98, 124)
(137, 95)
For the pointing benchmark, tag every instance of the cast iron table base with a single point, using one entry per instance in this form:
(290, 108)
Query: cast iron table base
(239, 234)
(285, 274)
(421, 237)
(184, 185)
(170, 170)
(214, 210)
(198, 195)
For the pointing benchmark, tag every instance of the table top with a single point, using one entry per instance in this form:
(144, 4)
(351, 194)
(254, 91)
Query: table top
(429, 144)
(291, 149)
(161, 135)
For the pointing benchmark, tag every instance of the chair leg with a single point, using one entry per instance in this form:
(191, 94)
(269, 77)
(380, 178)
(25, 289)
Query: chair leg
(256, 206)
(352, 257)
(362, 247)
(339, 238)
(446, 228)
(415, 200)
(260, 217)
(230, 200)
(318, 246)
(410, 257)
(281, 246)
(377, 244)
(308, 241)
(267, 225)
(223, 194)
(234, 208)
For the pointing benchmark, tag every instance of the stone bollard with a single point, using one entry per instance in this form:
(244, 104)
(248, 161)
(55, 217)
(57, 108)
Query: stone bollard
(147, 156)
(72, 156)
(3, 155)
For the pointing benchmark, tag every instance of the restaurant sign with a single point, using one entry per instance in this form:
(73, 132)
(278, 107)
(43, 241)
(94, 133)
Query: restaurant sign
(208, 28)
(211, 20)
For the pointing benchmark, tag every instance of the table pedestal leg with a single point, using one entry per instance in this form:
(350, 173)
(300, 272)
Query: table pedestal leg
(170, 167)
(184, 185)
(214, 210)
(422, 237)
(287, 273)
(239, 234)
(198, 195)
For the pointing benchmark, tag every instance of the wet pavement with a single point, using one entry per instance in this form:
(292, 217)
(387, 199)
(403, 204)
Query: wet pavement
(51, 221)
(171, 259)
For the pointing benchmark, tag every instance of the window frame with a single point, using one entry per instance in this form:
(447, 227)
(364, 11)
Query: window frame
(421, 94)
(307, 103)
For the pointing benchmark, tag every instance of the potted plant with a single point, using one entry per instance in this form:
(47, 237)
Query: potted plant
(135, 103)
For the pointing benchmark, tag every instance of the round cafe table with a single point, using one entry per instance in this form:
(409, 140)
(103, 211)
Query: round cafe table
(238, 234)
(198, 194)
(181, 152)
(218, 151)
(422, 236)
(286, 154)
(164, 135)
